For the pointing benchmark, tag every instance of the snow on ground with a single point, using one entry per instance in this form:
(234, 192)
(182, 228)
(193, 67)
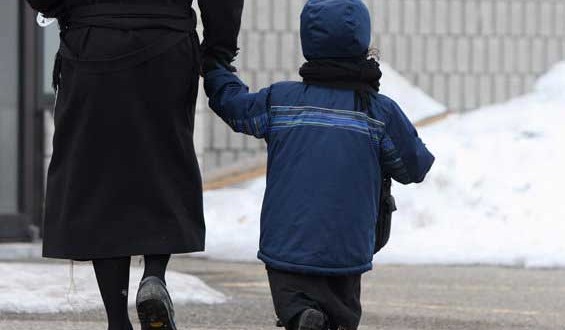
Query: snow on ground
(232, 221)
(493, 195)
(417, 104)
(47, 288)
(491, 198)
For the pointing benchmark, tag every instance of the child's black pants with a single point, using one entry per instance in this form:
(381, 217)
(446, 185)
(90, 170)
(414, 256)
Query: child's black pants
(339, 297)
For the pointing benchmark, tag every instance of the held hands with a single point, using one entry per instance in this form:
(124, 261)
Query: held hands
(217, 58)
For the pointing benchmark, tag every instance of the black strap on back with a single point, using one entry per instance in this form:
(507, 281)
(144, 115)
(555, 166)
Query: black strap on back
(384, 221)
(131, 17)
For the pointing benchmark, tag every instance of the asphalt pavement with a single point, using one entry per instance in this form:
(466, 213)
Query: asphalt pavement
(394, 297)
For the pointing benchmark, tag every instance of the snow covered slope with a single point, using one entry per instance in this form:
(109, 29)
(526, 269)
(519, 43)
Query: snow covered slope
(45, 288)
(414, 102)
(493, 196)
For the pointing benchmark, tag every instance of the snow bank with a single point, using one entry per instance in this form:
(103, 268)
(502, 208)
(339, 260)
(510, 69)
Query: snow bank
(233, 221)
(47, 288)
(551, 87)
(491, 198)
(414, 102)
(493, 195)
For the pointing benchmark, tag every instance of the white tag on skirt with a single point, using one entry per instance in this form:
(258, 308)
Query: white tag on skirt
(44, 21)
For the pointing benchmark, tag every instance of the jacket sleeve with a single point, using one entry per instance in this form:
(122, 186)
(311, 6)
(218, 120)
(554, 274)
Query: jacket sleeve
(222, 22)
(404, 156)
(45, 6)
(230, 99)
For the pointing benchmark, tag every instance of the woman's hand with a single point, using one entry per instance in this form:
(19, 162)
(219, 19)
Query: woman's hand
(213, 59)
(50, 8)
(222, 22)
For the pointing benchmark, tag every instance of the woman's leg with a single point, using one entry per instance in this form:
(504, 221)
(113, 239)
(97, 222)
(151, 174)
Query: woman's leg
(156, 265)
(154, 305)
(113, 280)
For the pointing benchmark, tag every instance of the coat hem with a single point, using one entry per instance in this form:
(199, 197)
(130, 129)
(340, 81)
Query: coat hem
(141, 252)
(314, 270)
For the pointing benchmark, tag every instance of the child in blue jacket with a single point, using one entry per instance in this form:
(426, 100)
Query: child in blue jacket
(332, 138)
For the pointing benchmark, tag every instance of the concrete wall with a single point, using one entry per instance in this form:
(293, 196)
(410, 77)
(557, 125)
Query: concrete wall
(464, 53)
(468, 53)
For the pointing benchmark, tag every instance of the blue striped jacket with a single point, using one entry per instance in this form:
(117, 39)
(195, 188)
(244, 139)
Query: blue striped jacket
(325, 167)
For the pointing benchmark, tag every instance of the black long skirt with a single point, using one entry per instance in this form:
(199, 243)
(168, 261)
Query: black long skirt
(339, 297)
(124, 178)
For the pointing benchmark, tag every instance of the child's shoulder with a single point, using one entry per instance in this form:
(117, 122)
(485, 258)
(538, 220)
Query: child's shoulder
(385, 108)
(386, 102)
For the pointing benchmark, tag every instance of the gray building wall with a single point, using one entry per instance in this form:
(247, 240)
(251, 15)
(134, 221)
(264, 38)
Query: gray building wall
(468, 53)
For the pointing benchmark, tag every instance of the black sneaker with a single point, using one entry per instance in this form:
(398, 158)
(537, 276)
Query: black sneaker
(312, 319)
(154, 305)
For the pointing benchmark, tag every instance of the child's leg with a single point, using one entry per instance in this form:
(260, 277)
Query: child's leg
(290, 296)
(338, 297)
(344, 304)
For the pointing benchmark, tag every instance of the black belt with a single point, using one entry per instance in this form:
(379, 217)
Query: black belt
(181, 20)
(131, 17)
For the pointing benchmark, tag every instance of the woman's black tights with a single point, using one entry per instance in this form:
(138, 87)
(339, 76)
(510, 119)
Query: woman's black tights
(113, 280)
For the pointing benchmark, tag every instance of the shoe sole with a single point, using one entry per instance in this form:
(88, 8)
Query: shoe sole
(153, 315)
(312, 321)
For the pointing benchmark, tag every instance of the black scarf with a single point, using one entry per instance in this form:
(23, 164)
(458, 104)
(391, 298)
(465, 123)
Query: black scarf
(361, 75)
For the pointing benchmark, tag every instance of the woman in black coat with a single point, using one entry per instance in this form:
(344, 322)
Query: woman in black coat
(124, 178)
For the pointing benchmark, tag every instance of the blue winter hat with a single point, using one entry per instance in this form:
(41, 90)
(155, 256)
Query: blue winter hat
(335, 29)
